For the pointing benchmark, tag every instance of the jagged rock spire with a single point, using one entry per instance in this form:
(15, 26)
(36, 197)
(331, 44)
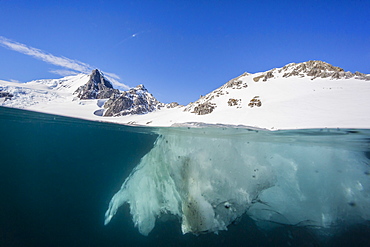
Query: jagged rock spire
(96, 88)
(98, 79)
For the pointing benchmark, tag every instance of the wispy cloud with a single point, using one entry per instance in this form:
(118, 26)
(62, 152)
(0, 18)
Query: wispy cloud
(46, 57)
(11, 80)
(63, 72)
(72, 66)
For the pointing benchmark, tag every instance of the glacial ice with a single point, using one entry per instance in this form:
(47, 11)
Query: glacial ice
(210, 177)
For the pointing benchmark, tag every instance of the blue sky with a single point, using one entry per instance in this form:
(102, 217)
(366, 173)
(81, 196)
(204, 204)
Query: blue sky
(179, 49)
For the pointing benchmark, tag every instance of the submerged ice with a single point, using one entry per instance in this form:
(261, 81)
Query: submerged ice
(210, 177)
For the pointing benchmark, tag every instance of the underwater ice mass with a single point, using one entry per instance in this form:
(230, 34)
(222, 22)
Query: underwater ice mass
(210, 177)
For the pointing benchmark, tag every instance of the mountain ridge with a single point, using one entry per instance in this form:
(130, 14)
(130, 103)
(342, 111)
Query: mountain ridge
(313, 68)
(311, 94)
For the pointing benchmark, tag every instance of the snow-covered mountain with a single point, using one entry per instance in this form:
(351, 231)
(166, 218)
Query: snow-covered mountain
(98, 87)
(84, 96)
(39, 93)
(311, 69)
(137, 100)
(312, 94)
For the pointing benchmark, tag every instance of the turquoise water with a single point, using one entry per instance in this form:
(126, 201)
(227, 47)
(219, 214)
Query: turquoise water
(58, 175)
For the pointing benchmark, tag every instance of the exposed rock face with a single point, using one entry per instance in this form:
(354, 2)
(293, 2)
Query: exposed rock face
(268, 76)
(6, 95)
(255, 102)
(319, 69)
(313, 69)
(173, 105)
(205, 108)
(202, 106)
(236, 83)
(96, 88)
(135, 101)
(265, 76)
(233, 102)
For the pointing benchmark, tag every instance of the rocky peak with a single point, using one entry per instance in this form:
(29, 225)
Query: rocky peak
(319, 69)
(98, 87)
(98, 79)
(137, 100)
(139, 89)
(314, 69)
(312, 65)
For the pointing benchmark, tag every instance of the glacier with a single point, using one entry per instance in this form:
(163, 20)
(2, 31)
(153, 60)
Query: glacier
(208, 177)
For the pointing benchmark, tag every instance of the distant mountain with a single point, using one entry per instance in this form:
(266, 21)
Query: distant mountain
(98, 87)
(82, 88)
(311, 69)
(311, 94)
(134, 101)
(40, 93)
(137, 100)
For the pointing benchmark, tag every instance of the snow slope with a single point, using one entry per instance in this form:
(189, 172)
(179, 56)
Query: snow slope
(53, 96)
(313, 94)
(287, 102)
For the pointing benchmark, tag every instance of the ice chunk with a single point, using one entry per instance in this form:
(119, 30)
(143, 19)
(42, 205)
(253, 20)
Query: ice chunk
(209, 180)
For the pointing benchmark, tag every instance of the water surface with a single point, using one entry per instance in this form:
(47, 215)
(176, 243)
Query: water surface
(58, 175)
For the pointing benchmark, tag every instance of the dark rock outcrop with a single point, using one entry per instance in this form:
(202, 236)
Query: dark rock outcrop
(313, 69)
(96, 88)
(236, 83)
(268, 76)
(205, 108)
(135, 101)
(320, 69)
(173, 105)
(265, 76)
(6, 95)
(255, 102)
(233, 102)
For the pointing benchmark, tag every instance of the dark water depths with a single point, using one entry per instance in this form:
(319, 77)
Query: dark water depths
(57, 176)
